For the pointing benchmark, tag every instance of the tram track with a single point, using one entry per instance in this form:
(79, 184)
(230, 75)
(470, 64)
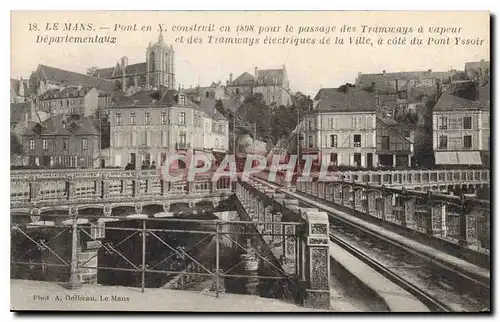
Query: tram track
(437, 285)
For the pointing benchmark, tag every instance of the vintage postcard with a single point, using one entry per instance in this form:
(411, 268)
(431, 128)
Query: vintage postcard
(236, 161)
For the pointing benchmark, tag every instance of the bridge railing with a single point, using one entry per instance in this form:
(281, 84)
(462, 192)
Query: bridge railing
(54, 187)
(459, 220)
(418, 177)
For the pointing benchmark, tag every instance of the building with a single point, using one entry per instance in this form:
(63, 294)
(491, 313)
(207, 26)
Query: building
(70, 100)
(216, 91)
(61, 142)
(461, 129)
(146, 126)
(273, 84)
(157, 70)
(344, 130)
(19, 90)
(475, 70)
(50, 78)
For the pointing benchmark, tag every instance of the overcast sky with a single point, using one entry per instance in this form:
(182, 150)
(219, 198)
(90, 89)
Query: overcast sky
(309, 67)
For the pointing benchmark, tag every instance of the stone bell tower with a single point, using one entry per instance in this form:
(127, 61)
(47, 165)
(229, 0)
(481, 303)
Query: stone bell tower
(160, 64)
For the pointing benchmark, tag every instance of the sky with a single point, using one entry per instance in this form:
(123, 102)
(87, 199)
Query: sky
(310, 67)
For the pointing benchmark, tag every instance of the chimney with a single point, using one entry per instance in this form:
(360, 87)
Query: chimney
(481, 71)
(230, 77)
(256, 71)
(429, 71)
(383, 72)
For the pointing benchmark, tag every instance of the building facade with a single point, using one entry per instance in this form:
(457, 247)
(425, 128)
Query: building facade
(148, 125)
(273, 84)
(344, 130)
(70, 100)
(461, 129)
(61, 142)
(158, 69)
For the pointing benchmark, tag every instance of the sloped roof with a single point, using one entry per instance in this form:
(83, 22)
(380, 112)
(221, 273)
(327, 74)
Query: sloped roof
(18, 110)
(270, 76)
(61, 125)
(130, 70)
(243, 79)
(104, 72)
(208, 106)
(451, 102)
(353, 100)
(68, 92)
(66, 77)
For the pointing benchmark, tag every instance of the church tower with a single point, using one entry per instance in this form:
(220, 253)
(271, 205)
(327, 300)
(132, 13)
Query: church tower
(160, 64)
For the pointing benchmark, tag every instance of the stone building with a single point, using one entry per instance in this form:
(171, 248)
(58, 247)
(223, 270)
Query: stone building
(19, 90)
(157, 70)
(273, 84)
(70, 100)
(61, 142)
(344, 130)
(149, 124)
(50, 78)
(461, 129)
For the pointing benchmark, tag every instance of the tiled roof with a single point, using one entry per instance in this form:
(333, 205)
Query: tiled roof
(270, 77)
(382, 80)
(242, 80)
(451, 102)
(66, 77)
(18, 110)
(61, 125)
(353, 100)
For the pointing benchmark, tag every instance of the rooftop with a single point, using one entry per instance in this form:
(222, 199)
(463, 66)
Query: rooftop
(345, 99)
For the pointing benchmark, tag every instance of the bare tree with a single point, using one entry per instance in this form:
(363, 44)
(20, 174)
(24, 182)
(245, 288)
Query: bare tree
(91, 70)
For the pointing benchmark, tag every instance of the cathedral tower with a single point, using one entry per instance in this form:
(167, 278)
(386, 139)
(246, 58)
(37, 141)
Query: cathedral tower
(160, 64)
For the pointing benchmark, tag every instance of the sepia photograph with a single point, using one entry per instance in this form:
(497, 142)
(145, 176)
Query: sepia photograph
(250, 161)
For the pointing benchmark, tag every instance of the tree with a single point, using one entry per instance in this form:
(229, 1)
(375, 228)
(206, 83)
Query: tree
(91, 70)
(16, 147)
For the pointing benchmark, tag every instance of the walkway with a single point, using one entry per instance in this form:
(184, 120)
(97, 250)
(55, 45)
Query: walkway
(120, 298)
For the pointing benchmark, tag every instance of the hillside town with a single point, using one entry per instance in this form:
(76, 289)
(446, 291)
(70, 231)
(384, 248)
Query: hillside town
(132, 114)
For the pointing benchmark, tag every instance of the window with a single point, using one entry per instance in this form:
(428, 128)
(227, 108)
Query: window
(207, 94)
(132, 118)
(378, 100)
(84, 144)
(118, 118)
(333, 158)
(442, 122)
(61, 102)
(147, 118)
(311, 141)
(403, 95)
(67, 102)
(333, 140)
(357, 140)
(163, 118)
(32, 144)
(182, 99)
(467, 123)
(443, 142)
(237, 91)
(146, 138)
(182, 118)
(385, 143)
(467, 141)
(310, 124)
(65, 144)
(44, 144)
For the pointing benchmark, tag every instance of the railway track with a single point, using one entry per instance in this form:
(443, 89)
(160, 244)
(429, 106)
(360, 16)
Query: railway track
(438, 286)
